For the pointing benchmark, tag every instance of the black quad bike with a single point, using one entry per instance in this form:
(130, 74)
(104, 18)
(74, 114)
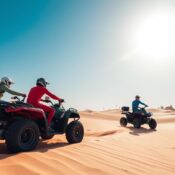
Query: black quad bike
(21, 125)
(137, 119)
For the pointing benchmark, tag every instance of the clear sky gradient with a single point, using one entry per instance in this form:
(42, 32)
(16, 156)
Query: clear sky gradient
(88, 50)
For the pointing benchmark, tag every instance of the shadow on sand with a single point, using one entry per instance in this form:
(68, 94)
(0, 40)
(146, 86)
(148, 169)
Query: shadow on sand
(42, 147)
(138, 132)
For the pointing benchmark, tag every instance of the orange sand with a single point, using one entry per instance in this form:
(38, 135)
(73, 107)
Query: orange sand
(107, 149)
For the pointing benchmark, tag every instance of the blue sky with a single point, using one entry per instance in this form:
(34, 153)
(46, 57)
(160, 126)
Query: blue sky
(85, 48)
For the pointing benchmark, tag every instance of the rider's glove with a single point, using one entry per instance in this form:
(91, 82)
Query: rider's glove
(61, 100)
(23, 95)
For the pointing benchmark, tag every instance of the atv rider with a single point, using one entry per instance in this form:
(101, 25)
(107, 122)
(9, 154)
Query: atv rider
(135, 106)
(5, 87)
(35, 95)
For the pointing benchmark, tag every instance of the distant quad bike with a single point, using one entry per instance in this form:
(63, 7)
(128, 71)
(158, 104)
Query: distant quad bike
(137, 119)
(21, 125)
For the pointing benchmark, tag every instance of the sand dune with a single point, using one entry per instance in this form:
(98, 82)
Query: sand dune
(107, 149)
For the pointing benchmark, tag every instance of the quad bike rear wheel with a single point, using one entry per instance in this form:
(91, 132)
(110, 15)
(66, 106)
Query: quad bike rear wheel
(22, 135)
(123, 121)
(75, 132)
(152, 124)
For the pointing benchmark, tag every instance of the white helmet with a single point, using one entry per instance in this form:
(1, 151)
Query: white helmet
(7, 81)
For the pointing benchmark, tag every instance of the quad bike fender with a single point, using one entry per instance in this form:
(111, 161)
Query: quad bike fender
(72, 113)
(34, 114)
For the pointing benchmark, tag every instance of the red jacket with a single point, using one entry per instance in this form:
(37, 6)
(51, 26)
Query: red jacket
(36, 94)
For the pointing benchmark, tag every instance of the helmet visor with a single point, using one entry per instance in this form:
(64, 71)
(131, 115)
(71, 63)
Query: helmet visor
(11, 81)
(47, 82)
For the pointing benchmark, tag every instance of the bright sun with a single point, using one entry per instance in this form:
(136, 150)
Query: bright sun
(155, 36)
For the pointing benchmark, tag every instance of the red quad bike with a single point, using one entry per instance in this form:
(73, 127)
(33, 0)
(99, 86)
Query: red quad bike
(21, 125)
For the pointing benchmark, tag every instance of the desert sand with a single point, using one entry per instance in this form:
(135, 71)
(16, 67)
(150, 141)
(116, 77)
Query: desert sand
(107, 149)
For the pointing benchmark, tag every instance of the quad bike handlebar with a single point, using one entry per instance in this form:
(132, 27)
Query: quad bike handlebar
(46, 101)
(18, 99)
(143, 107)
(56, 104)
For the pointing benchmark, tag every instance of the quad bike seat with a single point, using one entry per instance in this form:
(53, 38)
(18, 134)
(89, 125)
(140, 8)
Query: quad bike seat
(20, 103)
(14, 104)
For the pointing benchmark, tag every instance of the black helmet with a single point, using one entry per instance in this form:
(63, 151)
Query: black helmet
(137, 96)
(42, 82)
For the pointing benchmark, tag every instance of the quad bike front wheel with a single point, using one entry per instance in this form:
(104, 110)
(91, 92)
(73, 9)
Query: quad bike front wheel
(152, 123)
(22, 135)
(123, 121)
(75, 132)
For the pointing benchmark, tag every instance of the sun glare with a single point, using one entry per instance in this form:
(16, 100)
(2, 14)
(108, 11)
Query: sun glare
(155, 36)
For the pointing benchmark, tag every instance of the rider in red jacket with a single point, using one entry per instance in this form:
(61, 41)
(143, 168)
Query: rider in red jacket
(35, 95)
